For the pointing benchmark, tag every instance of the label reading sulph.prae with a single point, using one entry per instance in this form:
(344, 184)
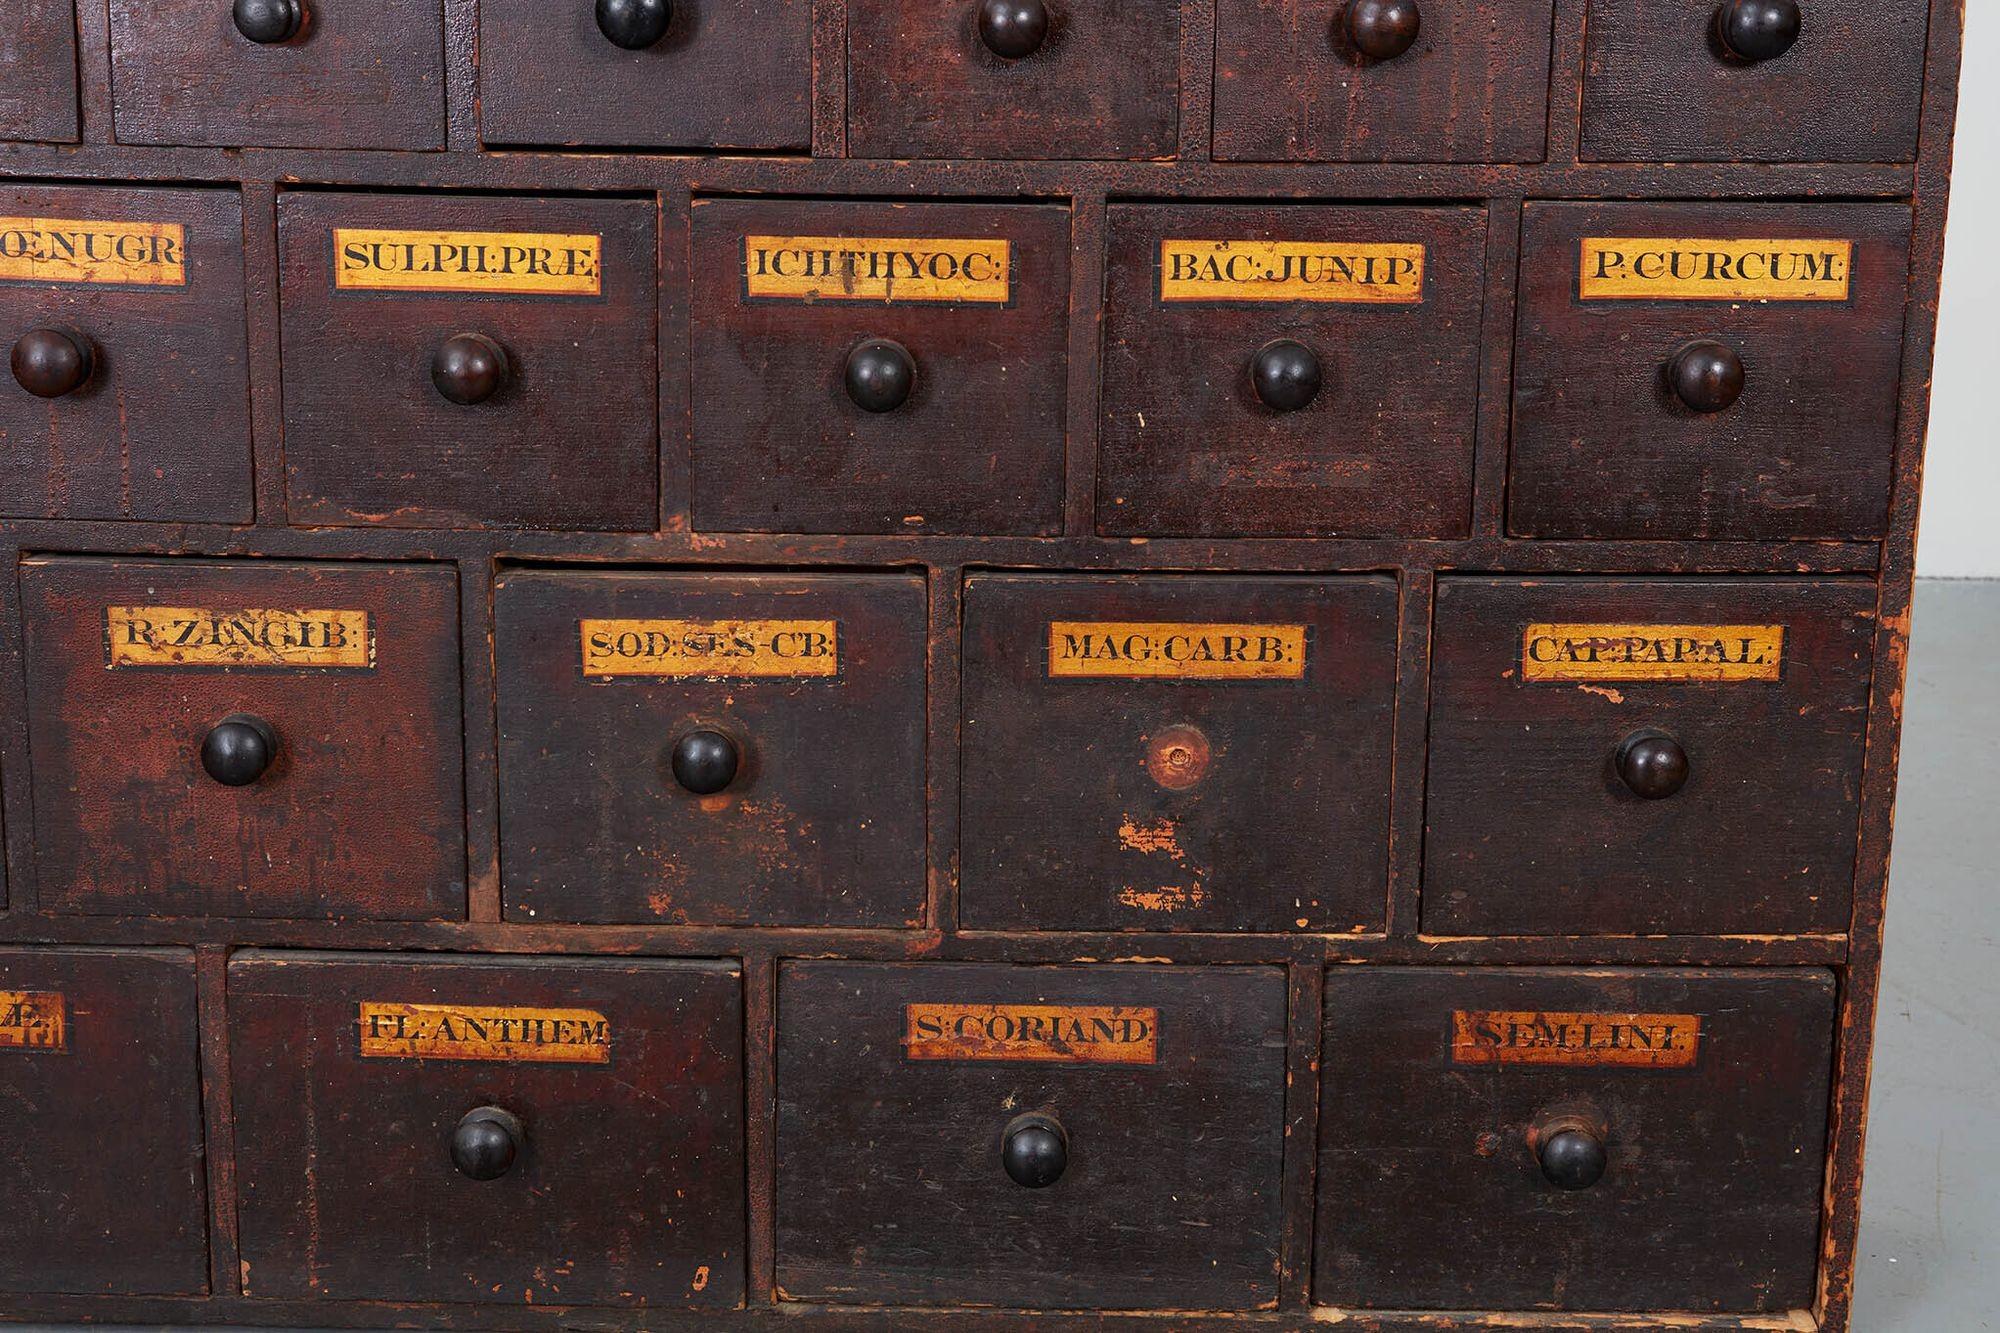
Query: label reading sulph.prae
(711, 649)
(1328, 271)
(1167, 650)
(1655, 268)
(1643, 1041)
(114, 254)
(1052, 1033)
(33, 1021)
(1652, 652)
(256, 639)
(869, 268)
(515, 263)
(483, 1032)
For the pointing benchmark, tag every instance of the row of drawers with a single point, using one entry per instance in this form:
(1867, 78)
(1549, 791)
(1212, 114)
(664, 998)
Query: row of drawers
(1333, 80)
(571, 1132)
(1134, 752)
(1680, 371)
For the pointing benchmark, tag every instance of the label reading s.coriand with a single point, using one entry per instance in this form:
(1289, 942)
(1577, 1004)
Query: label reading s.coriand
(501, 262)
(33, 1021)
(1168, 650)
(1386, 273)
(257, 639)
(1657, 268)
(503, 1033)
(1652, 652)
(1640, 1041)
(710, 649)
(1051, 1033)
(113, 254)
(868, 268)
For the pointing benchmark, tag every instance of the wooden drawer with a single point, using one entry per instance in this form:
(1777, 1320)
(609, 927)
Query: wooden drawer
(1708, 370)
(1013, 78)
(130, 396)
(230, 738)
(38, 51)
(739, 749)
(717, 74)
(1176, 753)
(507, 1130)
(804, 421)
(100, 1126)
(1646, 756)
(1520, 1138)
(1141, 1108)
(1290, 371)
(285, 74)
(471, 361)
(1358, 81)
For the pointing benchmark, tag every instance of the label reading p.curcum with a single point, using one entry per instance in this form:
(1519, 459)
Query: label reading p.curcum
(1051, 1033)
(1652, 652)
(1170, 650)
(710, 649)
(1367, 273)
(1659, 268)
(503, 1033)
(514, 263)
(256, 639)
(895, 270)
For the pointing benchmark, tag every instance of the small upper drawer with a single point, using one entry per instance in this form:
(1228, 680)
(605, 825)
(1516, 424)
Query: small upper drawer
(1290, 371)
(1707, 370)
(38, 51)
(717, 74)
(218, 738)
(508, 1130)
(1382, 80)
(1753, 80)
(1013, 78)
(130, 394)
(1603, 1140)
(279, 73)
(879, 367)
(456, 361)
(1646, 756)
(1030, 1137)
(736, 749)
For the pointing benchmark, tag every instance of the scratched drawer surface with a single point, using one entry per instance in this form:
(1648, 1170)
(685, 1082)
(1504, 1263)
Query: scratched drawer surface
(38, 51)
(1541, 1139)
(1646, 756)
(506, 1130)
(212, 738)
(739, 749)
(1053, 1137)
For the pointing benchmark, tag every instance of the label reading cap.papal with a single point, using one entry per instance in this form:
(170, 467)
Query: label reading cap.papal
(1652, 652)
(1657, 268)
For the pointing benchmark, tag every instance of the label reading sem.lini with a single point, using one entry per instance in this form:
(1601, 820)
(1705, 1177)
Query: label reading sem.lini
(1507, 1037)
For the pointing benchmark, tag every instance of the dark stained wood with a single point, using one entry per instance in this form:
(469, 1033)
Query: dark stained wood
(38, 52)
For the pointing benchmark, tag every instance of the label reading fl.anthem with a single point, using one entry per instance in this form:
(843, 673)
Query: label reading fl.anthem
(503, 1033)
(119, 254)
(33, 1021)
(1660, 268)
(1385, 273)
(266, 639)
(1170, 650)
(878, 268)
(711, 649)
(1652, 652)
(529, 263)
(1051, 1033)
(1643, 1041)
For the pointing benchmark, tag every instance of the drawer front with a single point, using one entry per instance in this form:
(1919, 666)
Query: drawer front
(348, 74)
(1603, 1140)
(879, 367)
(38, 51)
(471, 362)
(1290, 371)
(1672, 81)
(712, 749)
(1645, 756)
(719, 74)
(210, 738)
(1176, 753)
(130, 393)
(951, 79)
(1707, 370)
(503, 1130)
(1468, 81)
(1141, 1108)
(100, 1128)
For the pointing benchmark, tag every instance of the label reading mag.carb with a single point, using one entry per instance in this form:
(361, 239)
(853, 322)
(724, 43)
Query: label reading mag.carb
(1172, 650)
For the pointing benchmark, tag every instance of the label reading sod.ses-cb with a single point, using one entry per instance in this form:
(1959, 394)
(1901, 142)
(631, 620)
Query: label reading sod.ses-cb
(710, 649)
(1642, 1041)
(504, 1033)
(1050, 1033)
(33, 1021)
(894, 270)
(251, 638)
(112, 254)
(1652, 652)
(1171, 650)
(1366, 273)
(511, 263)
(1657, 268)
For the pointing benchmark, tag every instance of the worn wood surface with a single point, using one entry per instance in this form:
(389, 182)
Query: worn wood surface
(38, 51)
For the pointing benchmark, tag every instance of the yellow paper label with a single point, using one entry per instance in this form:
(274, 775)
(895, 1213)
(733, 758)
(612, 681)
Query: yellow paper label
(1652, 652)
(520, 263)
(1640, 1041)
(1652, 268)
(1050, 1033)
(870, 268)
(484, 1032)
(120, 254)
(1329, 271)
(713, 649)
(33, 1021)
(256, 639)
(1165, 650)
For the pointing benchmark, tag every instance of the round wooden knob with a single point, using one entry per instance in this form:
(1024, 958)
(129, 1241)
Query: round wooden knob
(1034, 1150)
(268, 22)
(634, 24)
(705, 761)
(238, 750)
(486, 1142)
(469, 368)
(1013, 29)
(1573, 1158)
(881, 374)
(49, 363)
(1756, 30)
(1653, 765)
(1382, 29)
(1707, 376)
(1286, 375)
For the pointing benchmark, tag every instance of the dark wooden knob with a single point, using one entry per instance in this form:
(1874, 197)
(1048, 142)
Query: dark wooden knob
(1653, 765)
(239, 749)
(1754, 30)
(1034, 1150)
(1013, 29)
(268, 22)
(486, 1143)
(1286, 375)
(705, 761)
(634, 24)
(469, 368)
(1382, 29)
(880, 375)
(49, 363)
(1573, 1158)
(1707, 376)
